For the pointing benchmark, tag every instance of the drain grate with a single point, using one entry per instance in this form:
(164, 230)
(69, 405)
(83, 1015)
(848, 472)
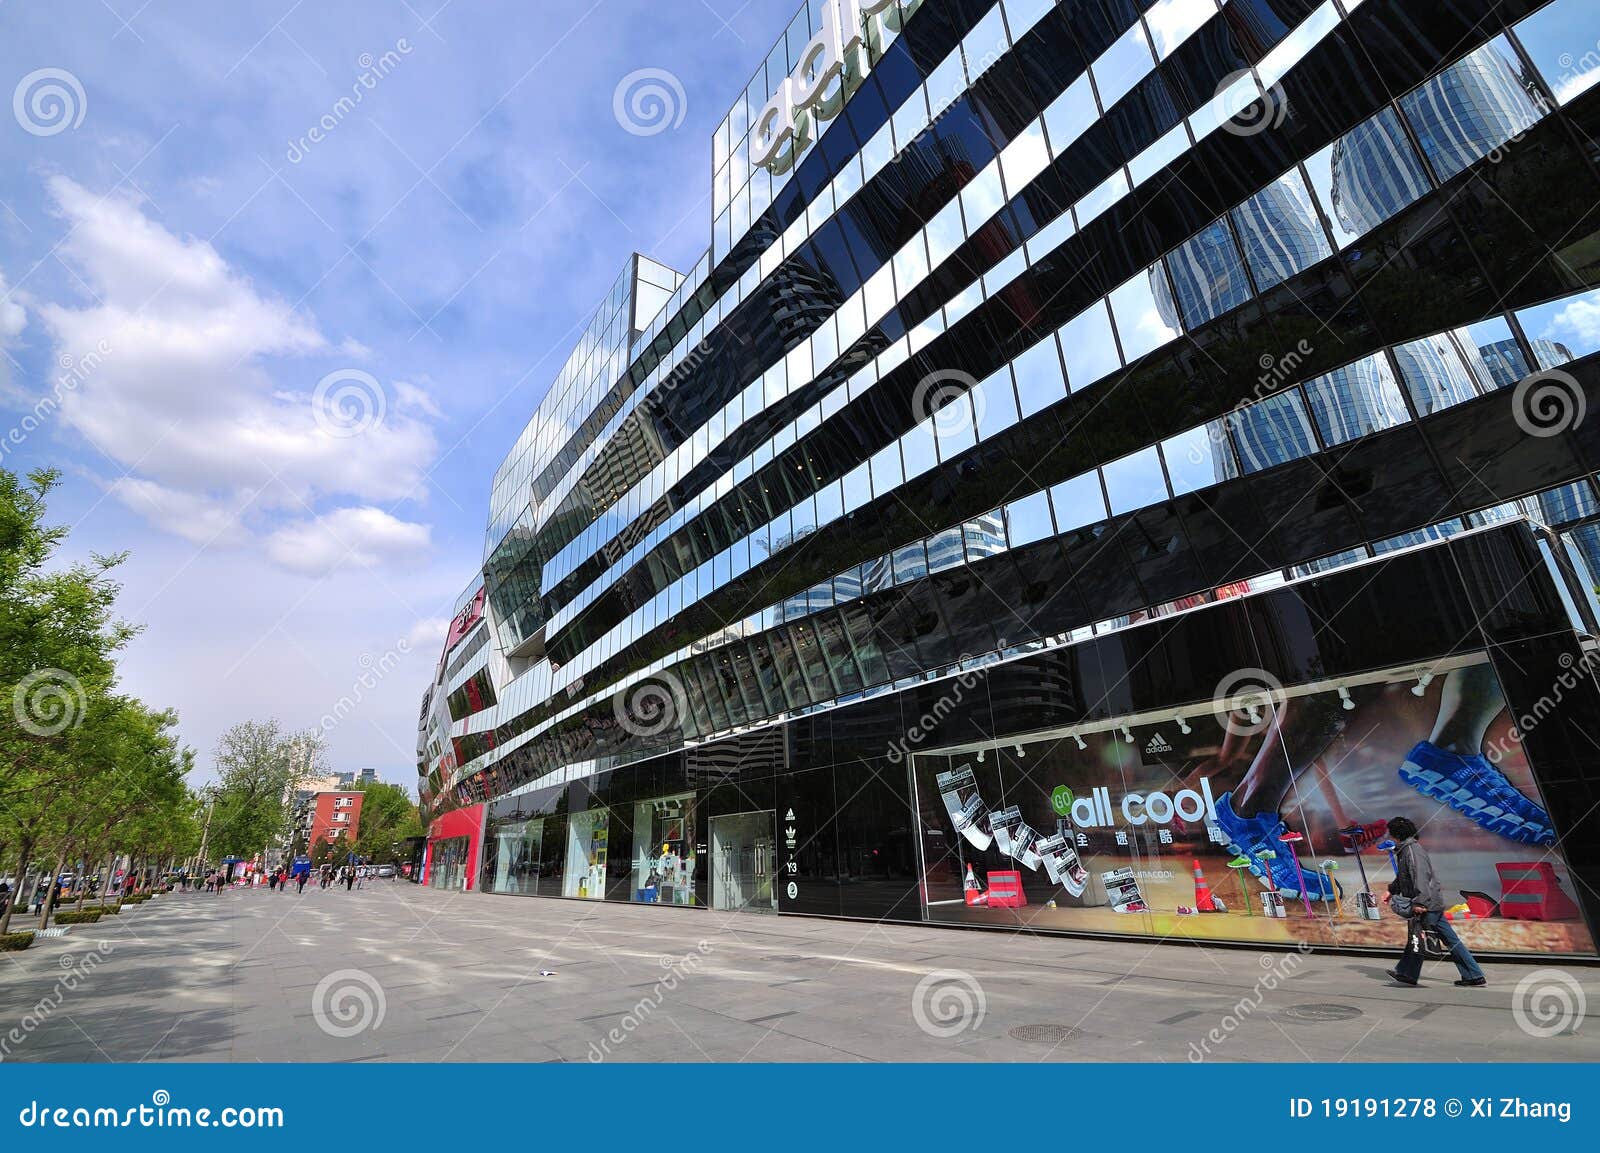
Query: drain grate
(1319, 1012)
(1042, 1034)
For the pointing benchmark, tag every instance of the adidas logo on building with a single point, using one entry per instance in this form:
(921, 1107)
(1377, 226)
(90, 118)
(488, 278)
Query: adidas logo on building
(1157, 744)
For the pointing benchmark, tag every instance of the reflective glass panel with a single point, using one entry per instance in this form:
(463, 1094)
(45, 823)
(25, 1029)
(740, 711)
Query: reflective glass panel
(1144, 313)
(1434, 374)
(1038, 375)
(1355, 400)
(1199, 457)
(1208, 275)
(1280, 231)
(1089, 346)
(1078, 501)
(1550, 35)
(1471, 108)
(1366, 176)
(1564, 329)
(1028, 520)
(1272, 431)
(1135, 481)
(1123, 65)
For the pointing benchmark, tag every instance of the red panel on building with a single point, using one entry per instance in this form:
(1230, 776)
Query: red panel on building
(455, 824)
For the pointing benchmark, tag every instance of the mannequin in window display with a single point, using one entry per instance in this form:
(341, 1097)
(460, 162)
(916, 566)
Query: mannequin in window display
(1447, 766)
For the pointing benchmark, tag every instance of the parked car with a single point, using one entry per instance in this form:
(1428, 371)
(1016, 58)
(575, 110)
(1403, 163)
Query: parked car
(385, 870)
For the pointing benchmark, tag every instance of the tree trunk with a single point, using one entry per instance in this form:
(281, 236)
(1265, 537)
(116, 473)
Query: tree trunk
(111, 863)
(22, 878)
(50, 892)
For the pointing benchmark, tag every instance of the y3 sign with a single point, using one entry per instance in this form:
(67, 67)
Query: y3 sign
(839, 52)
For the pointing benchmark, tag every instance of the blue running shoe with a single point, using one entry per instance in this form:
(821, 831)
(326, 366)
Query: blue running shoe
(1473, 786)
(1249, 836)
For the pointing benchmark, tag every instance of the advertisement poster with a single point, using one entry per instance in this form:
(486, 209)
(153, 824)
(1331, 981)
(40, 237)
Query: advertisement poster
(1268, 823)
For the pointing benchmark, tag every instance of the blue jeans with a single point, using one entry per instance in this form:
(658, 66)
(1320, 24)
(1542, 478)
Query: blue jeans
(1410, 965)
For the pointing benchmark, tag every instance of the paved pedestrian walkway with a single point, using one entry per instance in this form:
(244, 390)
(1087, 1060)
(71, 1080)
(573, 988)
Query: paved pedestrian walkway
(396, 972)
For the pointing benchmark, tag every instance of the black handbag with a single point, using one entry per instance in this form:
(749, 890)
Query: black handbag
(1426, 942)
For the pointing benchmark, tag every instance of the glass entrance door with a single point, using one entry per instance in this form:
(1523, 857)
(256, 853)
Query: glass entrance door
(743, 855)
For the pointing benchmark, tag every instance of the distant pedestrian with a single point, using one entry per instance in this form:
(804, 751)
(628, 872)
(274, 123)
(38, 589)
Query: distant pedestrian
(349, 878)
(1415, 880)
(301, 881)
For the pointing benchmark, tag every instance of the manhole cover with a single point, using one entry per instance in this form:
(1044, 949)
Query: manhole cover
(1042, 1034)
(1322, 1012)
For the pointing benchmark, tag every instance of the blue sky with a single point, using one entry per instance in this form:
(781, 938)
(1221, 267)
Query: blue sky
(280, 370)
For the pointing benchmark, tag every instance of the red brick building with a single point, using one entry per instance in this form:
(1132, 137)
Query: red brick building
(335, 816)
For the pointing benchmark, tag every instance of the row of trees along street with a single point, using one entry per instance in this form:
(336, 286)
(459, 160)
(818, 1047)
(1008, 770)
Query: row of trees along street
(90, 776)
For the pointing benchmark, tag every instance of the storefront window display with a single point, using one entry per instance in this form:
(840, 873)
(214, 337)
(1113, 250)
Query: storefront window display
(664, 850)
(588, 835)
(518, 848)
(1264, 822)
(449, 866)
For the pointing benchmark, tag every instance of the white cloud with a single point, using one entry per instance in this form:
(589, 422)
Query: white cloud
(366, 535)
(1581, 318)
(427, 635)
(12, 318)
(203, 393)
(193, 517)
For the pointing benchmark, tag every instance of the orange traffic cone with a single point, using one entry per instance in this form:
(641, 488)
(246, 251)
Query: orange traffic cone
(973, 889)
(1202, 891)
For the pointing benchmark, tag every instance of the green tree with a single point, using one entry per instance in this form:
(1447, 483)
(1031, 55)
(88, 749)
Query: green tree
(388, 816)
(259, 766)
(58, 641)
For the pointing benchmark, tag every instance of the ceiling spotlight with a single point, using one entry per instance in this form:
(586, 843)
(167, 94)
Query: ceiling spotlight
(1127, 734)
(1422, 684)
(1079, 740)
(1020, 751)
(1183, 727)
(1345, 702)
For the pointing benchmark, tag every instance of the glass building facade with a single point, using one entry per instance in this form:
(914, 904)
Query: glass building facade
(1051, 365)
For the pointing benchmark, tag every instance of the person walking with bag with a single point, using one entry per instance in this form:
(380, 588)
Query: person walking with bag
(1417, 896)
